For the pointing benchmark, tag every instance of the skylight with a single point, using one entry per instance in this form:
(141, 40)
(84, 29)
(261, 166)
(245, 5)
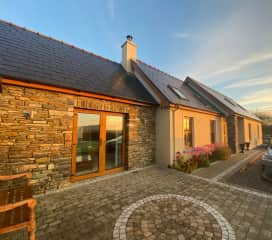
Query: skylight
(177, 92)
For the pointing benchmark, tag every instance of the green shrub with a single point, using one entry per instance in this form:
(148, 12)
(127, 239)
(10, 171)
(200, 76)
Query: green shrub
(184, 165)
(220, 153)
(204, 161)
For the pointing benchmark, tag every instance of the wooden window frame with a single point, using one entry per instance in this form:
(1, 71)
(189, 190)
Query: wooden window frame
(213, 131)
(102, 147)
(249, 132)
(225, 130)
(185, 131)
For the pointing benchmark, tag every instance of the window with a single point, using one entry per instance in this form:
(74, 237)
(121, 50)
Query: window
(177, 92)
(98, 142)
(249, 132)
(225, 133)
(188, 131)
(212, 131)
(258, 131)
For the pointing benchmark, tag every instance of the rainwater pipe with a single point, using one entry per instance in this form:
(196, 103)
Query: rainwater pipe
(174, 132)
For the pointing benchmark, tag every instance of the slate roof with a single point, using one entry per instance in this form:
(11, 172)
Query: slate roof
(225, 100)
(30, 56)
(164, 82)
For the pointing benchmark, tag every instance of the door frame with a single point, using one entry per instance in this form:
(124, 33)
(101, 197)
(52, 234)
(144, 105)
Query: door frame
(102, 147)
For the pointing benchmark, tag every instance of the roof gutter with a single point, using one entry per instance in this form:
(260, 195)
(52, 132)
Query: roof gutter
(193, 109)
(28, 84)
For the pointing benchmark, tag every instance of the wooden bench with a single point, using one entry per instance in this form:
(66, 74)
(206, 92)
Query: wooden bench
(17, 205)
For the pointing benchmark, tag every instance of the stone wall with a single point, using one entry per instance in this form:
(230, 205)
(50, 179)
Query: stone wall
(36, 133)
(232, 125)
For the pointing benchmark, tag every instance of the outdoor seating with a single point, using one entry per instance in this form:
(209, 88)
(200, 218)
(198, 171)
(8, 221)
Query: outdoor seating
(16, 204)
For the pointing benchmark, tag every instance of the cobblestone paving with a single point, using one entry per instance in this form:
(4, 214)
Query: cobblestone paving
(168, 219)
(250, 177)
(90, 210)
(171, 216)
(220, 166)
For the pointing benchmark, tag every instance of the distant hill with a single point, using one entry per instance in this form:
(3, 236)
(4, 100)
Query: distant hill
(267, 122)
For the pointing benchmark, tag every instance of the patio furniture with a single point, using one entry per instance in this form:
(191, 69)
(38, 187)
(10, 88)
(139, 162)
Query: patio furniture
(16, 204)
(242, 147)
(247, 145)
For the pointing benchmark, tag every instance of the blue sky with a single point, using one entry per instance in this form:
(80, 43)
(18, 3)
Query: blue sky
(225, 44)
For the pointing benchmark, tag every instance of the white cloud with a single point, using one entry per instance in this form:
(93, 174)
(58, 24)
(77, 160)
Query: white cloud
(251, 82)
(261, 98)
(238, 43)
(254, 59)
(182, 35)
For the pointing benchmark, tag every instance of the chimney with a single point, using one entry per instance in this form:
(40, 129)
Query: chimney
(129, 52)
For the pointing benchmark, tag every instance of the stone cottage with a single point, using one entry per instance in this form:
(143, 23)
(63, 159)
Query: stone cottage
(67, 114)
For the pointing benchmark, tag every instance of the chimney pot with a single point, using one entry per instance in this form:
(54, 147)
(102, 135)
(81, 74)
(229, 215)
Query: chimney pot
(129, 37)
(129, 53)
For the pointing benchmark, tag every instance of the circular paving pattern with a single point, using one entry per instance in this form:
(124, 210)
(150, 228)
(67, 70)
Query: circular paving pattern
(171, 217)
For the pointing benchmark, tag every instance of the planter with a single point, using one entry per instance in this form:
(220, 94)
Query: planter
(242, 147)
(247, 145)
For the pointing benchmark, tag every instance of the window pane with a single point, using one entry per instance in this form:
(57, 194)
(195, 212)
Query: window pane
(87, 158)
(188, 131)
(114, 141)
(212, 131)
(249, 131)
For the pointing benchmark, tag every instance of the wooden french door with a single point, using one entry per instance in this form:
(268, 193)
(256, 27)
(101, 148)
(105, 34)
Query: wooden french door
(98, 143)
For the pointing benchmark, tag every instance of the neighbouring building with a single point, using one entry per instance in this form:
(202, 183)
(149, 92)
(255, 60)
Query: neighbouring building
(67, 114)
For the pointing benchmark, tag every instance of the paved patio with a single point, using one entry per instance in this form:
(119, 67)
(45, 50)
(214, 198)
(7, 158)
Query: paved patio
(90, 210)
(216, 169)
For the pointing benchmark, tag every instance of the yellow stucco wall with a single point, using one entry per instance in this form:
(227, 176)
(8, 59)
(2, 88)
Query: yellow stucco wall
(169, 130)
(170, 136)
(255, 139)
(201, 128)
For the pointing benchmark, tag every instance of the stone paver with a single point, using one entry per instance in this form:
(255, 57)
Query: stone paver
(171, 216)
(250, 177)
(91, 210)
(218, 167)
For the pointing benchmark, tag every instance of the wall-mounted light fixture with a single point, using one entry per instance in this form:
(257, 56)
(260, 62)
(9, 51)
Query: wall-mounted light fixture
(27, 115)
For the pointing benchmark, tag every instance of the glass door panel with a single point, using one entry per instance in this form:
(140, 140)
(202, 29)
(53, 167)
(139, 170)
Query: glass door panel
(88, 135)
(114, 141)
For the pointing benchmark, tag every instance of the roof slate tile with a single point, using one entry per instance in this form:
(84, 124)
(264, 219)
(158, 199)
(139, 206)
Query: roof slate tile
(26, 55)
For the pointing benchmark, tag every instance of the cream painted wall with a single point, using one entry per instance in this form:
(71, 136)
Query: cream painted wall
(255, 140)
(169, 132)
(201, 128)
(163, 138)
